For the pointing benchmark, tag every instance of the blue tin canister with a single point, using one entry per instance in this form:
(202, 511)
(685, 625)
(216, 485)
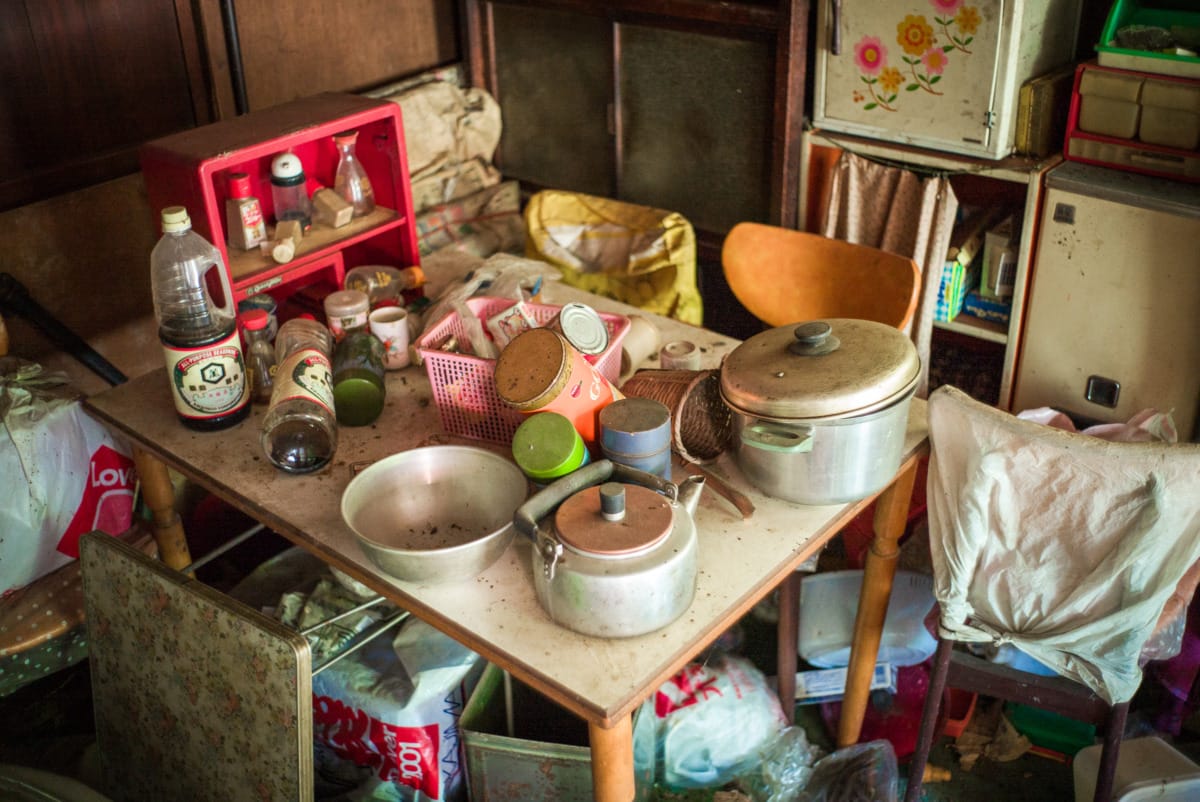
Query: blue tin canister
(637, 432)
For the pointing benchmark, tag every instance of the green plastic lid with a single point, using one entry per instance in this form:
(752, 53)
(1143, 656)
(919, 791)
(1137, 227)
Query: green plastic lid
(357, 398)
(546, 446)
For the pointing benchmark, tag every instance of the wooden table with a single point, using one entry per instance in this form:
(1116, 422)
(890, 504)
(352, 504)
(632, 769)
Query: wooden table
(497, 614)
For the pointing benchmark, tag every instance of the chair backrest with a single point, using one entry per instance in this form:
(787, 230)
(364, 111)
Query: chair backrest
(784, 276)
(1066, 545)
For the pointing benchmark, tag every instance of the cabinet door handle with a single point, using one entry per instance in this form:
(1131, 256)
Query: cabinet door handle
(835, 36)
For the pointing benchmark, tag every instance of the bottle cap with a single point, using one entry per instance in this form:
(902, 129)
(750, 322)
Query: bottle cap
(254, 319)
(287, 170)
(345, 137)
(239, 185)
(175, 218)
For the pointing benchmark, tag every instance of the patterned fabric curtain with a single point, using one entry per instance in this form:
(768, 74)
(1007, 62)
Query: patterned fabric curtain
(900, 211)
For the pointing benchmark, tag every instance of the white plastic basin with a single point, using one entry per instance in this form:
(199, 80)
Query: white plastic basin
(829, 601)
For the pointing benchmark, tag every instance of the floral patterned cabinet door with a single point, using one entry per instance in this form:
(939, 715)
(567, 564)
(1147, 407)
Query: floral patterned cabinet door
(941, 74)
(197, 697)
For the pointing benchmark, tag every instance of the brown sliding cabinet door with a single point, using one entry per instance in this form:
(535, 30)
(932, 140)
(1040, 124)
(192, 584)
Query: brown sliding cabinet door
(689, 105)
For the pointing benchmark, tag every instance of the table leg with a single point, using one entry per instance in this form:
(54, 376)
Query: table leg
(786, 633)
(891, 515)
(160, 498)
(612, 761)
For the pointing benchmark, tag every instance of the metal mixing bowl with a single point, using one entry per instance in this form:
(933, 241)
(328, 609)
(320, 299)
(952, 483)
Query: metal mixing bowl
(435, 514)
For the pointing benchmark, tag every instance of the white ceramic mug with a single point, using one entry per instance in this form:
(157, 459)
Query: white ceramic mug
(390, 325)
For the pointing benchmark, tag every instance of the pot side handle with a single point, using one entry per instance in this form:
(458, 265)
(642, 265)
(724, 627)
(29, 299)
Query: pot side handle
(779, 438)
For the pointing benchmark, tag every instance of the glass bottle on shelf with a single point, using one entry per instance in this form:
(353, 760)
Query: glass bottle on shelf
(299, 433)
(260, 354)
(289, 190)
(198, 335)
(350, 181)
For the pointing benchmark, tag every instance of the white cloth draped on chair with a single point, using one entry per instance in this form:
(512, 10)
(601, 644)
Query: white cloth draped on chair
(1065, 545)
(901, 211)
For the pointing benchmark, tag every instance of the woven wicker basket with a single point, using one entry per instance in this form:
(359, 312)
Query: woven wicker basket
(700, 421)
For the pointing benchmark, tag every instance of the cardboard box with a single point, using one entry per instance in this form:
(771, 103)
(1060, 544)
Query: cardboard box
(829, 684)
(1000, 259)
(960, 273)
(986, 308)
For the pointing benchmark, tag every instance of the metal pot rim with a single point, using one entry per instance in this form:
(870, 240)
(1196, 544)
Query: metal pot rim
(851, 368)
(849, 416)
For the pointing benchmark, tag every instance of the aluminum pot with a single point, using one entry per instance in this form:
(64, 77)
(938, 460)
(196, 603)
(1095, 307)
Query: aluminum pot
(435, 514)
(820, 409)
(614, 550)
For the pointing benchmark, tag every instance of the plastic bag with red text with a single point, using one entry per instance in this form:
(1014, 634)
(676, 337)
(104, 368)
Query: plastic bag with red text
(62, 473)
(393, 708)
(712, 721)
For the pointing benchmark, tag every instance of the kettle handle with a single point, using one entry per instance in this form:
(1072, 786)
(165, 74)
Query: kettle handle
(527, 516)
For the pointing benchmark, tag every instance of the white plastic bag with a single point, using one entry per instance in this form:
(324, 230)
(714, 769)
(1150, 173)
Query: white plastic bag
(712, 721)
(62, 473)
(394, 706)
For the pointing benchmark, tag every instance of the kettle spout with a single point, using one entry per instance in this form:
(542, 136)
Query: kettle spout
(689, 493)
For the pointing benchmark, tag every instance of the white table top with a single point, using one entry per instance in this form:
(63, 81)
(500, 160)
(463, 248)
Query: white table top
(497, 613)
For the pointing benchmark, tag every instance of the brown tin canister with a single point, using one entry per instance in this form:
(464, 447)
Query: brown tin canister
(540, 371)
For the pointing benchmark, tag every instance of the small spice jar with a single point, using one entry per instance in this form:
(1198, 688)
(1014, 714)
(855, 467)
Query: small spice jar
(346, 310)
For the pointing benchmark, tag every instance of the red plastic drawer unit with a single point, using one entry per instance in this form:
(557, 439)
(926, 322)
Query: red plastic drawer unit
(1136, 121)
(192, 169)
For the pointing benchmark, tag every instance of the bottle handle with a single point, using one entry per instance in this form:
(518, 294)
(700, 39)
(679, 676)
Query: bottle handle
(227, 305)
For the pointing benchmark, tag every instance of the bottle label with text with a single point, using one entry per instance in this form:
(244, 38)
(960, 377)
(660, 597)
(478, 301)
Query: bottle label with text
(304, 374)
(208, 381)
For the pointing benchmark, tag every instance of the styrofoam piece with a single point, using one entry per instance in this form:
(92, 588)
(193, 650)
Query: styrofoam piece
(1147, 768)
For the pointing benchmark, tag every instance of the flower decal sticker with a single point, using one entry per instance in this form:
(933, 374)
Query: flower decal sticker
(869, 55)
(923, 57)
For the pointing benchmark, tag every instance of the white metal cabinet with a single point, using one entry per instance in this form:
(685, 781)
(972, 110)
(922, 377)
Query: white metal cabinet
(941, 74)
(1111, 324)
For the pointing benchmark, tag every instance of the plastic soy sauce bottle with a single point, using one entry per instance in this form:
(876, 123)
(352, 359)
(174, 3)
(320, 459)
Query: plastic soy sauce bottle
(299, 432)
(199, 336)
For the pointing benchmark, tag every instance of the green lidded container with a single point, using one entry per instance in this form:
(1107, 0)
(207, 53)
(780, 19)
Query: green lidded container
(547, 446)
(358, 384)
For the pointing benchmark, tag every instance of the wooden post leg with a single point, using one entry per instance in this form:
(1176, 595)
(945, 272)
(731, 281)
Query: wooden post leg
(891, 514)
(612, 761)
(160, 497)
(787, 632)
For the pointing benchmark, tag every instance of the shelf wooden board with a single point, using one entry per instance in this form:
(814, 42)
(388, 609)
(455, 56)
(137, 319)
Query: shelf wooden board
(1018, 169)
(975, 327)
(255, 265)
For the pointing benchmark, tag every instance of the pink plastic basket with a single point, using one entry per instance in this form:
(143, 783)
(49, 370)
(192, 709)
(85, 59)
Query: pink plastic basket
(464, 386)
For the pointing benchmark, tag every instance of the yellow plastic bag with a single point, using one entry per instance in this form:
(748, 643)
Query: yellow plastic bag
(635, 254)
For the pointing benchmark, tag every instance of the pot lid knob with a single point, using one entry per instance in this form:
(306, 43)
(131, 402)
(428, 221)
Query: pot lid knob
(814, 339)
(612, 501)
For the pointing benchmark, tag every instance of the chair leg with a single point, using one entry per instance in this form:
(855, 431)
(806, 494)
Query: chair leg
(929, 716)
(1110, 752)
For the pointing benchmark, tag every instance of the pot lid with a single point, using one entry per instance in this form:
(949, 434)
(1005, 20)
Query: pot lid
(820, 369)
(614, 519)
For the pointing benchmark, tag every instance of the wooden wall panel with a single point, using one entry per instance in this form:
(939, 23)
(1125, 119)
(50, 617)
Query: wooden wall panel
(84, 84)
(293, 48)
